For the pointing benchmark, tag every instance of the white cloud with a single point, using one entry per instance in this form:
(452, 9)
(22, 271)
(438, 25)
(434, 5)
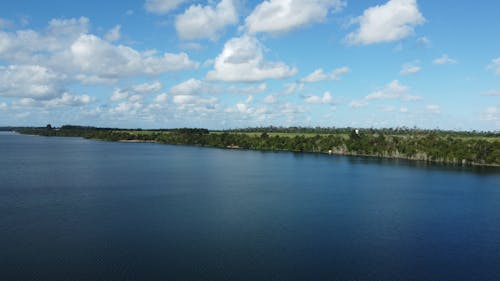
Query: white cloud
(147, 88)
(199, 22)
(184, 99)
(327, 98)
(242, 60)
(277, 16)
(271, 99)
(69, 27)
(66, 99)
(410, 68)
(392, 21)
(242, 107)
(26, 102)
(161, 98)
(444, 59)
(113, 34)
(136, 92)
(191, 46)
(92, 55)
(432, 108)
(189, 87)
(71, 100)
(319, 75)
(403, 110)
(424, 41)
(127, 108)
(3, 106)
(30, 81)
(247, 90)
(162, 6)
(358, 103)
(67, 47)
(27, 46)
(292, 88)
(87, 79)
(495, 66)
(394, 90)
(188, 100)
(119, 94)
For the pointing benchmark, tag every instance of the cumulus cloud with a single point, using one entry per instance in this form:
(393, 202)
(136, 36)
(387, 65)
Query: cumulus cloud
(199, 22)
(410, 68)
(242, 60)
(90, 54)
(27, 46)
(444, 59)
(278, 16)
(127, 108)
(188, 87)
(291, 88)
(327, 98)
(184, 101)
(67, 47)
(136, 92)
(393, 90)
(272, 98)
(161, 98)
(319, 75)
(242, 107)
(392, 21)
(249, 90)
(162, 6)
(68, 99)
(30, 81)
(113, 34)
(495, 66)
(69, 28)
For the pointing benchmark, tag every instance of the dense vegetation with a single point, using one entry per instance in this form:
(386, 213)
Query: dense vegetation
(462, 148)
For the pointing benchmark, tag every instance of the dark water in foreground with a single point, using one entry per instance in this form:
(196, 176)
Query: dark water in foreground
(75, 209)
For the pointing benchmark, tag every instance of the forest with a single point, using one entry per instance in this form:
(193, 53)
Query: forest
(447, 147)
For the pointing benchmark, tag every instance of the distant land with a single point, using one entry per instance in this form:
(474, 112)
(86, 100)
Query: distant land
(437, 146)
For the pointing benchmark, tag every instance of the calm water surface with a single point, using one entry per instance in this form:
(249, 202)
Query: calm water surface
(75, 209)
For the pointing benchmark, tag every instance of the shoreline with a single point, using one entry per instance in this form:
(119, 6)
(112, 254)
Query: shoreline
(234, 143)
(138, 141)
(235, 147)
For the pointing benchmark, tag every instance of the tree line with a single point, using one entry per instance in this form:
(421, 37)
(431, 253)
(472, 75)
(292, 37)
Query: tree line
(460, 148)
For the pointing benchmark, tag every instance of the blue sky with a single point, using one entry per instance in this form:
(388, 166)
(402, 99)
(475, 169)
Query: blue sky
(236, 63)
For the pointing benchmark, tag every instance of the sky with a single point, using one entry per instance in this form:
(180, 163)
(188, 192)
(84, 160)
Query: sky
(222, 64)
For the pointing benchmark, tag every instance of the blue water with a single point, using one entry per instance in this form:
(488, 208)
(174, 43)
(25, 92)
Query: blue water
(75, 209)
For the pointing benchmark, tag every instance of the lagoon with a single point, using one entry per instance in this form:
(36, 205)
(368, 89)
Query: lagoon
(77, 209)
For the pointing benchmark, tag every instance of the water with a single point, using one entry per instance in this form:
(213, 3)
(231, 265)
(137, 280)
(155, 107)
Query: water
(75, 209)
